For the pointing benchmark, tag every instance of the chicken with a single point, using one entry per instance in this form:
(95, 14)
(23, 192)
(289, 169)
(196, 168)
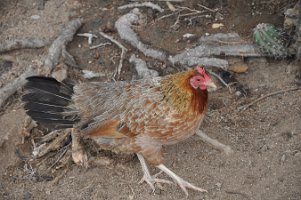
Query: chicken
(137, 117)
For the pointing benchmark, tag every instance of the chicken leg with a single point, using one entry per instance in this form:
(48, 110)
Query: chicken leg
(150, 180)
(79, 155)
(215, 143)
(147, 177)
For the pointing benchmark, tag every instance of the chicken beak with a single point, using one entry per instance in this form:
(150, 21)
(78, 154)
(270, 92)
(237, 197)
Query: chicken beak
(211, 86)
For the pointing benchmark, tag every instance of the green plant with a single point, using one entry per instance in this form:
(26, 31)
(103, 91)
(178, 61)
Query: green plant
(270, 40)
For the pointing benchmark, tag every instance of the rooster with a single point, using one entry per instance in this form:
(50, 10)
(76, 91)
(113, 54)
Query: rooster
(137, 117)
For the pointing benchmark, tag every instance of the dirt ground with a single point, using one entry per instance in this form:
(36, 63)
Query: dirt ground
(266, 164)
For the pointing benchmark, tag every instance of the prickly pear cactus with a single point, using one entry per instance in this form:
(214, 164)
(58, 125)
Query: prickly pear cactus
(269, 40)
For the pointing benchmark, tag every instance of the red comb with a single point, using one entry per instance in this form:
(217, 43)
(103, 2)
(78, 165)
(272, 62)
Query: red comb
(202, 71)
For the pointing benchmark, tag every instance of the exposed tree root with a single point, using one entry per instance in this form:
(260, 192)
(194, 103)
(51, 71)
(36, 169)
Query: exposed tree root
(215, 45)
(142, 69)
(143, 4)
(26, 43)
(124, 28)
(56, 48)
(11, 88)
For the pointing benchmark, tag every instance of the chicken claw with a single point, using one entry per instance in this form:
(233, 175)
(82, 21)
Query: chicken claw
(181, 182)
(147, 177)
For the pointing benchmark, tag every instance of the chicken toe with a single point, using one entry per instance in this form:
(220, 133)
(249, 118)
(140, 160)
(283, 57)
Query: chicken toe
(181, 182)
(147, 177)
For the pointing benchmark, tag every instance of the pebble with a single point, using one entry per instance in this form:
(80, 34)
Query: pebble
(218, 185)
(217, 25)
(283, 158)
(239, 68)
(35, 17)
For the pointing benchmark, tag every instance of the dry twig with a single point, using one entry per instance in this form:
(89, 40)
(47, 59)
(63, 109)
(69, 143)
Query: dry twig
(100, 45)
(216, 144)
(143, 4)
(52, 146)
(49, 136)
(244, 107)
(239, 193)
(123, 51)
(62, 152)
(209, 9)
(22, 44)
(90, 36)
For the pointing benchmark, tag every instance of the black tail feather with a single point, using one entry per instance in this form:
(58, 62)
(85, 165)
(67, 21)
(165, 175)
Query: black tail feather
(48, 102)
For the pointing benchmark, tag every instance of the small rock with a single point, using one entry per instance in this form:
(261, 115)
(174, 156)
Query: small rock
(48, 192)
(188, 35)
(239, 68)
(218, 185)
(283, 158)
(90, 74)
(35, 17)
(238, 93)
(217, 25)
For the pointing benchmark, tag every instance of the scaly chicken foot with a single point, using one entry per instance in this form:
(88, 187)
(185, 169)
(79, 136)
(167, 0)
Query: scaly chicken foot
(147, 177)
(181, 182)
